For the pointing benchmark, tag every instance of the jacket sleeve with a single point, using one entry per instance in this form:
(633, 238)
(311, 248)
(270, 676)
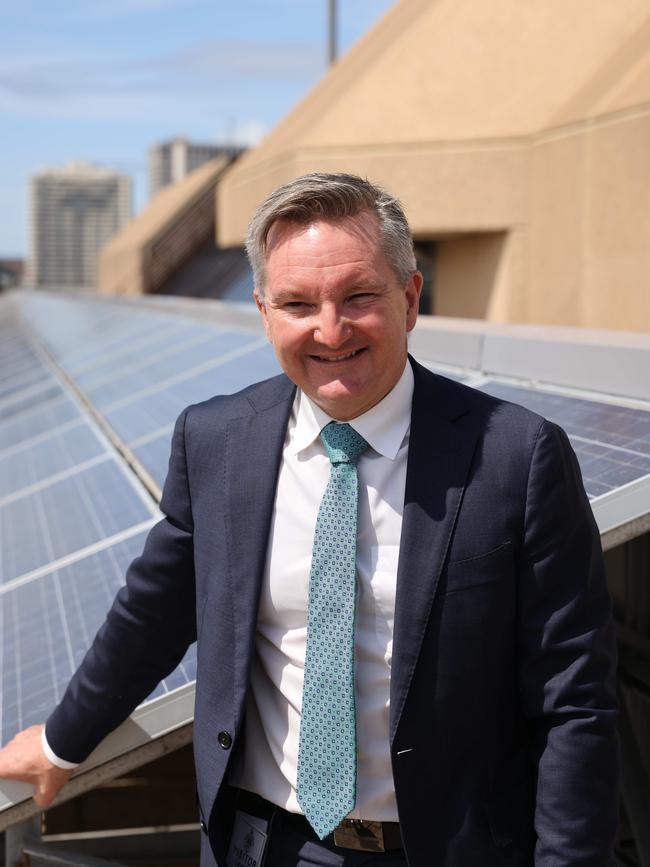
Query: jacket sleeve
(148, 629)
(566, 663)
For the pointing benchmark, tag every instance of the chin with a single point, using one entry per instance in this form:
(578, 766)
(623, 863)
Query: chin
(340, 404)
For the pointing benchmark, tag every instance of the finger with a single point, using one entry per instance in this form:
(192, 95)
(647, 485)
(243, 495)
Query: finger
(44, 795)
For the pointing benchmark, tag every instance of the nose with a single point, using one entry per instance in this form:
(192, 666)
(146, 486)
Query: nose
(331, 329)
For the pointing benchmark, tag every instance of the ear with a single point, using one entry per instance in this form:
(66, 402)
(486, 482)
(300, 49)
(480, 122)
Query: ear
(261, 306)
(412, 293)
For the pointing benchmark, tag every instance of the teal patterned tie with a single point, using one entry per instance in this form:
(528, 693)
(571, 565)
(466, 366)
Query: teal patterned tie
(327, 754)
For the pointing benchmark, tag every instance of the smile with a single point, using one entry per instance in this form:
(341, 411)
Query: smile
(345, 357)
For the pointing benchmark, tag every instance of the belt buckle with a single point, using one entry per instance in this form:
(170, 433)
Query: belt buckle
(360, 834)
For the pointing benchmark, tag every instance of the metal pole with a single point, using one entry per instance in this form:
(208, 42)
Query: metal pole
(332, 28)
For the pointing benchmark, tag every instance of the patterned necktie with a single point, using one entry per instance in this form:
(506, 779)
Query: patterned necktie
(328, 744)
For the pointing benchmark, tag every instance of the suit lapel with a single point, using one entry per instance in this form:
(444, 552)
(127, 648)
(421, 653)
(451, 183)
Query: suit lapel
(441, 445)
(254, 448)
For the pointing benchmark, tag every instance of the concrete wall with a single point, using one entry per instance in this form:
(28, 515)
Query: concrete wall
(531, 121)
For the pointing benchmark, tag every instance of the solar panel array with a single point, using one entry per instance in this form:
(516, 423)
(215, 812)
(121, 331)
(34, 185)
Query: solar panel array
(84, 383)
(139, 369)
(612, 442)
(73, 513)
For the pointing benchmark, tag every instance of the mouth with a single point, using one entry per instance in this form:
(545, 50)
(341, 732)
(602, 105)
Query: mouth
(345, 356)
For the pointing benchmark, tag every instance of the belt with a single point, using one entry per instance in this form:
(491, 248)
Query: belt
(361, 834)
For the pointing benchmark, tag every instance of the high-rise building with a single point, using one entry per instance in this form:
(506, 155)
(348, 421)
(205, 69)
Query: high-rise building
(170, 161)
(75, 210)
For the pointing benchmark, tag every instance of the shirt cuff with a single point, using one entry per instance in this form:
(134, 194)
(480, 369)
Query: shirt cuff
(52, 757)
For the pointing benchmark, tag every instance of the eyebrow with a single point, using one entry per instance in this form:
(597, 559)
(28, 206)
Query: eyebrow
(288, 295)
(299, 294)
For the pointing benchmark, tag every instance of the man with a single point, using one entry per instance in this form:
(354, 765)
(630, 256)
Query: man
(402, 619)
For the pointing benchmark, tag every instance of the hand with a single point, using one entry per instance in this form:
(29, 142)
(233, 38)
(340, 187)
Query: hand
(23, 759)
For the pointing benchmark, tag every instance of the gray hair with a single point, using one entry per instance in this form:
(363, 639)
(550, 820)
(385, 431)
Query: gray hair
(323, 196)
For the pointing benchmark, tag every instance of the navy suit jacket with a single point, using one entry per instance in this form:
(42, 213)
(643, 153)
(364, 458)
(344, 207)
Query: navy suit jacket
(502, 704)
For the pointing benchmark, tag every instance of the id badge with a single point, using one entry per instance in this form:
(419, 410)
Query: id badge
(248, 841)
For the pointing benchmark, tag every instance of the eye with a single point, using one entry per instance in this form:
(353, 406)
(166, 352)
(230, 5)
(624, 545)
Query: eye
(361, 297)
(298, 308)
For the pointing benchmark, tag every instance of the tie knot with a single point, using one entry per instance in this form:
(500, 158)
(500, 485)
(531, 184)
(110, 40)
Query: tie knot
(344, 445)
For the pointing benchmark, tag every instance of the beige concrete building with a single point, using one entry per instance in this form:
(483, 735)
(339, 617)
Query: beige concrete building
(150, 249)
(517, 136)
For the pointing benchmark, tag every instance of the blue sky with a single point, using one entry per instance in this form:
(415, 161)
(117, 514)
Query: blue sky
(103, 80)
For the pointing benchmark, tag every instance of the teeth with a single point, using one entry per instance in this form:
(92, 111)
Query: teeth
(338, 357)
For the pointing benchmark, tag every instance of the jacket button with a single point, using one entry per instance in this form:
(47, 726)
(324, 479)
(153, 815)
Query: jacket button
(225, 741)
(204, 827)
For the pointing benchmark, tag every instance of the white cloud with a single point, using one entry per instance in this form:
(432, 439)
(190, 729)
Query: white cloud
(206, 67)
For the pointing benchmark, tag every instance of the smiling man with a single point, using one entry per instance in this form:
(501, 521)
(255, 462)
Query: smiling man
(405, 648)
(336, 311)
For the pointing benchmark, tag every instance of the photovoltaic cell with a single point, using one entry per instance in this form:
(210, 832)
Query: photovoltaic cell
(147, 414)
(612, 442)
(78, 331)
(49, 623)
(11, 384)
(66, 516)
(161, 408)
(25, 399)
(37, 462)
(128, 385)
(230, 377)
(36, 420)
(164, 342)
(154, 456)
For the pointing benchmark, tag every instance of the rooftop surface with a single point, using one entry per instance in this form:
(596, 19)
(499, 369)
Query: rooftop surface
(89, 392)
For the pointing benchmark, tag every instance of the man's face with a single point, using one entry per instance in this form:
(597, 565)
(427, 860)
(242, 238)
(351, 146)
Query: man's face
(336, 313)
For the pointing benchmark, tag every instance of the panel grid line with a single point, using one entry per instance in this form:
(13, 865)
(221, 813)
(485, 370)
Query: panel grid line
(74, 556)
(37, 439)
(28, 490)
(188, 374)
(150, 361)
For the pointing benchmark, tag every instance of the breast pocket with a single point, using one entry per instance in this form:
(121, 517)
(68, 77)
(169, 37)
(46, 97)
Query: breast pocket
(483, 569)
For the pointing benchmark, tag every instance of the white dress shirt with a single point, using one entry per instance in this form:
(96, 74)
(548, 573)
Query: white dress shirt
(269, 764)
(270, 760)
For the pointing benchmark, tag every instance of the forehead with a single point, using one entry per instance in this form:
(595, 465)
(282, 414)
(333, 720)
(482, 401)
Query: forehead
(329, 251)
(323, 242)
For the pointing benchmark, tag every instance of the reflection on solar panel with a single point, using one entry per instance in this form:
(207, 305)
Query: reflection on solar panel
(48, 624)
(38, 459)
(82, 384)
(612, 442)
(140, 369)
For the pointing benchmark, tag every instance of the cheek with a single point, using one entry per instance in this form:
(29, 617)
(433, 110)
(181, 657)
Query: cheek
(286, 340)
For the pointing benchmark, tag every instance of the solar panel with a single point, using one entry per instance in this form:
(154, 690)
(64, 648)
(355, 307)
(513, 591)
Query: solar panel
(32, 462)
(135, 420)
(612, 442)
(48, 625)
(128, 385)
(36, 420)
(47, 389)
(154, 456)
(66, 516)
(10, 384)
(147, 353)
(138, 415)
(80, 331)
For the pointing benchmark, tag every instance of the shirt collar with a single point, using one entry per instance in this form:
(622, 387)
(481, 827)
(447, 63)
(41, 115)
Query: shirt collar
(383, 426)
